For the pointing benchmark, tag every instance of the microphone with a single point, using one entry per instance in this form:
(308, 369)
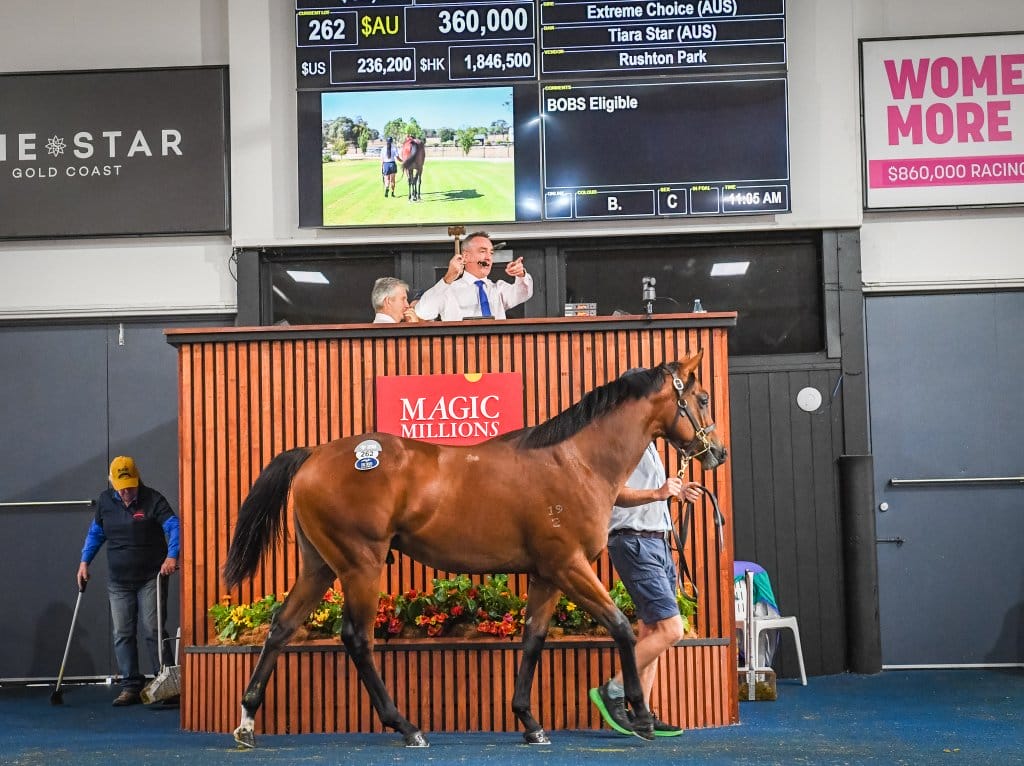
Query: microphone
(649, 294)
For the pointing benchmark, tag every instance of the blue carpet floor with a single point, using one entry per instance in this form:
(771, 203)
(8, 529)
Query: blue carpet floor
(962, 717)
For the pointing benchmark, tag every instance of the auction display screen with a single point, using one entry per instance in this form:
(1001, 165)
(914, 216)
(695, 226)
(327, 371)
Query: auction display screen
(544, 110)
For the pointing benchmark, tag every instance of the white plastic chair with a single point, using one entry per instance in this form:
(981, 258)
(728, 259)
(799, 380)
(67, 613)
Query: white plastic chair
(762, 623)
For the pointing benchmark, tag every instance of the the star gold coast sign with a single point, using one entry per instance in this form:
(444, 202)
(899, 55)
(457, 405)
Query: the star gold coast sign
(114, 152)
(102, 154)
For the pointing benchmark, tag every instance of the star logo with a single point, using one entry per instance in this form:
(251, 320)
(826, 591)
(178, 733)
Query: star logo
(55, 146)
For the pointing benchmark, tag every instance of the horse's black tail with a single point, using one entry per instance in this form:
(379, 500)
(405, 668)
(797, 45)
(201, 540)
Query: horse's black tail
(261, 517)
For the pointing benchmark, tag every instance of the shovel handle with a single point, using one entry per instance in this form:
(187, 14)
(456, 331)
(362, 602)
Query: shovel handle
(159, 624)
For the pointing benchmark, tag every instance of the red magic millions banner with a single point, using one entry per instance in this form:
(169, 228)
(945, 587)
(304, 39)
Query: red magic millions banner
(450, 409)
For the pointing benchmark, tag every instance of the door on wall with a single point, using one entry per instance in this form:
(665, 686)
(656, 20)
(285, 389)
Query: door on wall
(73, 396)
(53, 395)
(947, 413)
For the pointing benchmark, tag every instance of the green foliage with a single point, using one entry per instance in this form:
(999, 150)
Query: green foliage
(231, 621)
(362, 136)
(412, 128)
(396, 129)
(622, 599)
(466, 138)
(570, 617)
(687, 607)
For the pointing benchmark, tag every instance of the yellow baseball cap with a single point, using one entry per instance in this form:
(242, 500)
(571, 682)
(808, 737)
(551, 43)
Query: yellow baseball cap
(123, 473)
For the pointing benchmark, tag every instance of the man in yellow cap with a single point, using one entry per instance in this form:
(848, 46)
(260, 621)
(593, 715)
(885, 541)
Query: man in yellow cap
(142, 533)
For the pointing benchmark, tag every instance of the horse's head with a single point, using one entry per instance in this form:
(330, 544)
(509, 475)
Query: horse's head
(690, 429)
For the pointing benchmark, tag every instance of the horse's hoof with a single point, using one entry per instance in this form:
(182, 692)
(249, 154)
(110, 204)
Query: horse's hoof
(245, 737)
(416, 739)
(538, 737)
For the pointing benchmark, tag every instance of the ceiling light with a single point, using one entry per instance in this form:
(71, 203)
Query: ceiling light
(730, 269)
(308, 277)
(280, 294)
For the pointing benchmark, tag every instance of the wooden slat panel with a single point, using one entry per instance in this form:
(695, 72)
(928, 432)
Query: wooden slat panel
(242, 402)
(186, 499)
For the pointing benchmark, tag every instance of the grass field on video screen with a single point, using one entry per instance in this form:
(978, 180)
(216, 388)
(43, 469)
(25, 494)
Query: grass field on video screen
(453, 190)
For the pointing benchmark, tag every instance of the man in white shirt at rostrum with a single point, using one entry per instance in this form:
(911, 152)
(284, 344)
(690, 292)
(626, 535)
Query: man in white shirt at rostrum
(465, 290)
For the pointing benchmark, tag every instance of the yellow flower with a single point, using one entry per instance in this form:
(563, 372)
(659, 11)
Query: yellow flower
(570, 607)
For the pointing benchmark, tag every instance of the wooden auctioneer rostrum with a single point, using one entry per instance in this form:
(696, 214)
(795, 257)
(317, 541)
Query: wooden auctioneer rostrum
(246, 394)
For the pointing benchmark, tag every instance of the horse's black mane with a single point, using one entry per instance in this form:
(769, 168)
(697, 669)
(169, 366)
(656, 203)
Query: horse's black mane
(600, 401)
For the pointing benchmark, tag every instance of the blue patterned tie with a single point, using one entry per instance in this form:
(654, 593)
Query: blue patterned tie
(485, 305)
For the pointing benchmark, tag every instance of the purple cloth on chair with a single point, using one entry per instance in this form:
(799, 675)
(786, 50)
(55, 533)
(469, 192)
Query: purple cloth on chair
(739, 567)
(763, 592)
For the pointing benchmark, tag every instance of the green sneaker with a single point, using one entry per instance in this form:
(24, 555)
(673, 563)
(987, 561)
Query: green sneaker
(613, 709)
(662, 729)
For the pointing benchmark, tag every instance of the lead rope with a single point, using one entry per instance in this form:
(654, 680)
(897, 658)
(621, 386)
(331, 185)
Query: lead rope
(685, 521)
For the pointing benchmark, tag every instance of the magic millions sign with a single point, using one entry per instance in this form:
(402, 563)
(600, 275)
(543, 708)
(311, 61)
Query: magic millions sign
(109, 153)
(450, 409)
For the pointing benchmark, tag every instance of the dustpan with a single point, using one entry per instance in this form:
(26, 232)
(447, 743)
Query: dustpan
(167, 683)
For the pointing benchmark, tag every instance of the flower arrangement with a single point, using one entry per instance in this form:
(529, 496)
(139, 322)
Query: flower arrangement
(457, 606)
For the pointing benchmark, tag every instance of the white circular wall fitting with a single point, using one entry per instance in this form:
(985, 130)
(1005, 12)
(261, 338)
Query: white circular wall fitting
(808, 399)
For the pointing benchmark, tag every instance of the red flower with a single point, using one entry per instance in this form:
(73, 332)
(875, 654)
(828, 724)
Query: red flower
(457, 610)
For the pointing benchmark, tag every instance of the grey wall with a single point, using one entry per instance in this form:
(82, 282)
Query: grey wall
(73, 396)
(785, 501)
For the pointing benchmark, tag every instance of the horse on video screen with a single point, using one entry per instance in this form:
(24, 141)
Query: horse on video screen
(535, 501)
(413, 155)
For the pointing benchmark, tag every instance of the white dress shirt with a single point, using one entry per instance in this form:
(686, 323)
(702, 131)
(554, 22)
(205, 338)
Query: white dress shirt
(460, 299)
(384, 319)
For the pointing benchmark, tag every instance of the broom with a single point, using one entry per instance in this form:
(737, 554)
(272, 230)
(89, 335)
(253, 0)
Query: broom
(167, 683)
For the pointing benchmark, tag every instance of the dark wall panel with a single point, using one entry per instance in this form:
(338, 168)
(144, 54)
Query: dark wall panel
(53, 400)
(73, 396)
(786, 501)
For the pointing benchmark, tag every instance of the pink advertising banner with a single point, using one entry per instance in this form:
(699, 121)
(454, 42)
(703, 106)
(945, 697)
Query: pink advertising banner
(943, 121)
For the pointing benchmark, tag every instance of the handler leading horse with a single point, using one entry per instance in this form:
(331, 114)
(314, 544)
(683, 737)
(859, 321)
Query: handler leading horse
(536, 501)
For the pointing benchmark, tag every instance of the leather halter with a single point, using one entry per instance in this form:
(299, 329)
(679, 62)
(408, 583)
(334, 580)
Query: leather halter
(700, 443)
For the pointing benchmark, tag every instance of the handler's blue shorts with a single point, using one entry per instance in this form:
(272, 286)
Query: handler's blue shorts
(647, 570)
(389, 169)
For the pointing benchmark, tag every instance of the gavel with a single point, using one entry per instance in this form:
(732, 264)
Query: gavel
(457, 232)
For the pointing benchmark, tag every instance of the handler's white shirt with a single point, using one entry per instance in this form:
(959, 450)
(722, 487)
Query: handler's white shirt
(649, 517)
(460, 299)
